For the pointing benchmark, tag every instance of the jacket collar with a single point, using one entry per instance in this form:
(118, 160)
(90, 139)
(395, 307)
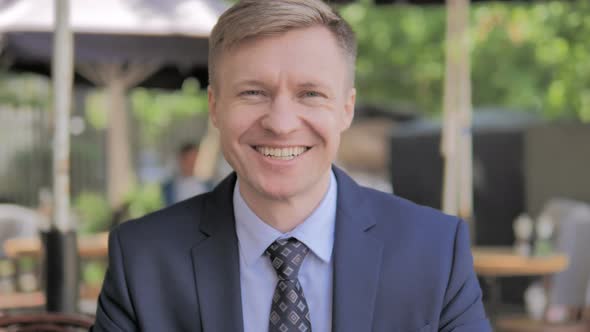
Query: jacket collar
(357, 260)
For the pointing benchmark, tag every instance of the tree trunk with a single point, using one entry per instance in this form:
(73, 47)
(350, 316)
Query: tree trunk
(120, 172)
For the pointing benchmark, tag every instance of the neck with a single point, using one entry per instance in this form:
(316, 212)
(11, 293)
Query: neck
(285, 214)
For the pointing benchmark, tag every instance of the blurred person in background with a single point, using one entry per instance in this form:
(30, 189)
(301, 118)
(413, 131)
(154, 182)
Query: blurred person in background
(184, 184)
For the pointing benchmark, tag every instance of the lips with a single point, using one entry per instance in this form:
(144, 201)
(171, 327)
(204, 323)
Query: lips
(281, 153)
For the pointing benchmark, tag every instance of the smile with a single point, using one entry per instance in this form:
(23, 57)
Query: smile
(284, 153)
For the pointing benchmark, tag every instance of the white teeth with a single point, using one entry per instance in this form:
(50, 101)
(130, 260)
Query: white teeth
(276, 152)
(281, 153)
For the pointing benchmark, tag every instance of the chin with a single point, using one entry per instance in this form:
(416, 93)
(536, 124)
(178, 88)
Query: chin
(279, 191)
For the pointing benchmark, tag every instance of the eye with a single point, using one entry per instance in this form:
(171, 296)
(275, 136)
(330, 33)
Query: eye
(254, 93)
(311, 94)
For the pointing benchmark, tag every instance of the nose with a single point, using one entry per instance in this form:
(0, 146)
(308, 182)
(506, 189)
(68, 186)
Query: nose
(282, 118)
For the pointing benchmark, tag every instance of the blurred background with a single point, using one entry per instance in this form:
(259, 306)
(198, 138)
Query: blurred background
(139, 106)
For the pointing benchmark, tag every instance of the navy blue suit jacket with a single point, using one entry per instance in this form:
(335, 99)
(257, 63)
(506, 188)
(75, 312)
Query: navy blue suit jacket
(397, 267)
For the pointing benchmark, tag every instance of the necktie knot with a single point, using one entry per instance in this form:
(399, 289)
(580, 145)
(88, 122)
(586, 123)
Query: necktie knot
(286, 256)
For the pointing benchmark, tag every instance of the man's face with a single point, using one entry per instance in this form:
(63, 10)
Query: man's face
(280, 104)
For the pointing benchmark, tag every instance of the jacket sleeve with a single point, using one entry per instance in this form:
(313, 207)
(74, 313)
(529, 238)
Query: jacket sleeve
(115, 311)
(463, 309)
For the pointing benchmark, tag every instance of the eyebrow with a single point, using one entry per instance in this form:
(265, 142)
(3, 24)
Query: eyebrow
(304, 85)
(313, 85)
(249, 82)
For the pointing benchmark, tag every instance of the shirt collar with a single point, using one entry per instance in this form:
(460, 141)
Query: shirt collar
(316, 232)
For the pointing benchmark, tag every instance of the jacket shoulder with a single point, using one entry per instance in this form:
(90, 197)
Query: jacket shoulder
(407, 212)
(174, 224)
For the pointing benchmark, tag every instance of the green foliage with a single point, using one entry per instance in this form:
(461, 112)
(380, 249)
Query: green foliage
(96, 215)
(144, 199)
(18, 90)
(157, 109)
(400, 53)
(532, 56)
(96, 109)
(94, 212)
(93, 273)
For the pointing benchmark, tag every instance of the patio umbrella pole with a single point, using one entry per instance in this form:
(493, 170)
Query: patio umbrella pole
(456, 145)
(61, 254)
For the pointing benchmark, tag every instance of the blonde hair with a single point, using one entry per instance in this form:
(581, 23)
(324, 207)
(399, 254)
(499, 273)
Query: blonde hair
(249, 19)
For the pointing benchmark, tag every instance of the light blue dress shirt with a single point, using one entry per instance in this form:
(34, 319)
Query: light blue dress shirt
(258, 278)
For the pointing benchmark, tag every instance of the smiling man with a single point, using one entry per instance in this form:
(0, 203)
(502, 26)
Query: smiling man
(288, 242)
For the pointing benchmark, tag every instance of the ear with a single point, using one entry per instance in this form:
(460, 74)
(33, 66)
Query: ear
(349, 109)
(212, 105)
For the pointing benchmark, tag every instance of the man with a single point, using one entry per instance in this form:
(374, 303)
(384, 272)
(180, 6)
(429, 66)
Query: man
(288, 242)
(184, 184)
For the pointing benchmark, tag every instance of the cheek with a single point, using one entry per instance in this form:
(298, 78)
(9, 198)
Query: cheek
(231, 132)
(327, 125)
(235, 124)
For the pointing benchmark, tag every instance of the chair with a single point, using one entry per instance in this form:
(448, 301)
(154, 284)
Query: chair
(45, 322)
(17, 221)
(527, 325)
(559, 208)
(568, 288)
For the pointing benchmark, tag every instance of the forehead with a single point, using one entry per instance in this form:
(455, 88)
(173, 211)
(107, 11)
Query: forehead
(306, 54)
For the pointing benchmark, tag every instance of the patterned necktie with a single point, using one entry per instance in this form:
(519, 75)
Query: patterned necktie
(289, 311)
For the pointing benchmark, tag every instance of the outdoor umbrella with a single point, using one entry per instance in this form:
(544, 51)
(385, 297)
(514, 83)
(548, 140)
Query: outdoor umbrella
(171, 34)
(118, 44)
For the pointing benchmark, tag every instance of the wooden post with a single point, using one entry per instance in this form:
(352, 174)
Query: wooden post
(120, 173)
(456, 140)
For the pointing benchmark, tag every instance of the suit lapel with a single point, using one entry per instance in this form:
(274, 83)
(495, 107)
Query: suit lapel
(357, 260)
(216, 263)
